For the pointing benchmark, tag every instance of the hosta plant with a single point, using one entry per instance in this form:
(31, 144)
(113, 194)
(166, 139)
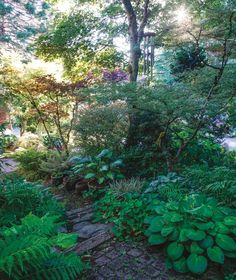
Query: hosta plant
(100, 169)
(195, 231)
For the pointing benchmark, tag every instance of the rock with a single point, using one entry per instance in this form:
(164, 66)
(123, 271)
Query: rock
(89, 230)
(82, 218)
(78, 227)
(93, 242)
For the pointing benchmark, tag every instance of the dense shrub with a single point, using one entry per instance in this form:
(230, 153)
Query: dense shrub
(195, 230)
(29, 164)
(102, 127)
(18, 198)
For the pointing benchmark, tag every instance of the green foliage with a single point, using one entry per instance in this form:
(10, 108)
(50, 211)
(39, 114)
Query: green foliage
(6, 141)
(101, 127)
(169, 187)
(100, 169)
(18, 198)
(26, 251)
(55, 163)
(121, 187)
(52, 142)
(188, 58)
(29, 164)
(126, 211)
(195, 230)
(219, 181)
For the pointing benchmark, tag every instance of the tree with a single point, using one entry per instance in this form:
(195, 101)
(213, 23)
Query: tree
(20, 21)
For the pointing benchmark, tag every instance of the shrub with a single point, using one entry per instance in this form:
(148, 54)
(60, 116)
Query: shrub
(55, 163)
(18, 198)
(102, 127)
(30, 141)
(126, 212)
(29, 164)
(100, 169)
(194, 230)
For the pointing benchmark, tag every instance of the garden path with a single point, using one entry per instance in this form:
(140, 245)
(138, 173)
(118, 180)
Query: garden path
(114, 260)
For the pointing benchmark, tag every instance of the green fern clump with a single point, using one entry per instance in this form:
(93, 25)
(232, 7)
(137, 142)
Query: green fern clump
(28, 251)
(18, 198)
(219, 182)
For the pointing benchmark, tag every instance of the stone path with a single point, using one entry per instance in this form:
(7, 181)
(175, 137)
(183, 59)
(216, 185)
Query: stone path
(114, 260)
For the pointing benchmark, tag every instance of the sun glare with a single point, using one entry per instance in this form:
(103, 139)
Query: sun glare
(181, 15)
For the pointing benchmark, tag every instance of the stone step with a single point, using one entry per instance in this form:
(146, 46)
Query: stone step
(79, 211)
(90, 230)
(82, 218)
(93, 242)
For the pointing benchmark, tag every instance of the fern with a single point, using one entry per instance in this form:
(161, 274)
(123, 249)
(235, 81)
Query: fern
(27, 251)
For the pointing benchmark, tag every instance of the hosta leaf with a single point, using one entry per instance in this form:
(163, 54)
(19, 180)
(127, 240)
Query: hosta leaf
(206, 242)
(195, 235)
(156, 239)
(175, 250)
(180, 265)
(225, 242)
(230, 254)
(196, 249)
(175, 217)
(215, 254)
(221, 228)
(182, 236)
(204, 226)
(230, 221)
(166, 230)
(197, 264)
(156, 224)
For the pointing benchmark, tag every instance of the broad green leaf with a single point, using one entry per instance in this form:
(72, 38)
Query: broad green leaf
(175, 250)
(197, 264)
(230, 221)
(221, 228)
(110, 175)
(230, 254)
(225, 242)
(195, 235)
(180, 265)
(156, 224)
(204, 226)
(196, 249)
(215, 254)
(156, 239)
(206, 242)
(175, 217)
(166, 231)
